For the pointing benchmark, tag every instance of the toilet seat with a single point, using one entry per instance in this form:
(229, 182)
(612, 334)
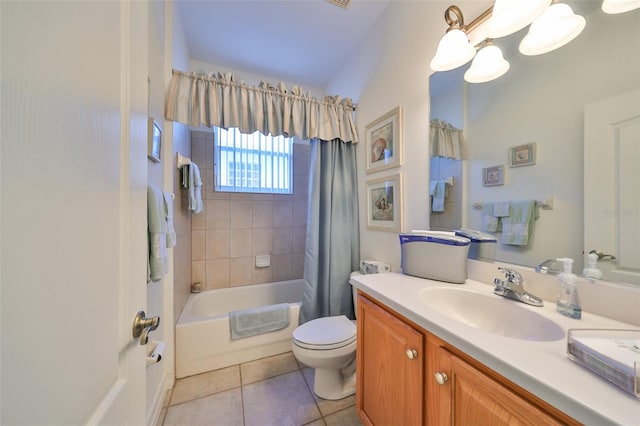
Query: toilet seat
(325, 333)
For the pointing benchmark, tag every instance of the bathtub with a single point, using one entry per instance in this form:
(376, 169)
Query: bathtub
(203, 339)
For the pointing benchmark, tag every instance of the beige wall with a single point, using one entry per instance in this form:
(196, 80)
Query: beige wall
(234, 228)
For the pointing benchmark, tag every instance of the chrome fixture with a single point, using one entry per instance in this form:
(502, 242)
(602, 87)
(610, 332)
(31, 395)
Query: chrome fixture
(552, 25)
(602, 255)
(512, 288)
(547, 267)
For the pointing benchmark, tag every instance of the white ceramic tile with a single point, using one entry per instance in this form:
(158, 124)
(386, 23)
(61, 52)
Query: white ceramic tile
(222, 409)
(205, 384)
(265, 368)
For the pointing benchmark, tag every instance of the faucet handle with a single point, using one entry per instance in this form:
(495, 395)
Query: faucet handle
(512, 276)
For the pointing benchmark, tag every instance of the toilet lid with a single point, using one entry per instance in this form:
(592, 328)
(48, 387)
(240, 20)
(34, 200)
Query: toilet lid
(326, 333)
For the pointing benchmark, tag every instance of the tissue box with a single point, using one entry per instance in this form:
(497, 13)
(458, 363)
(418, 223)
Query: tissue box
(435, 256)
(373, 267)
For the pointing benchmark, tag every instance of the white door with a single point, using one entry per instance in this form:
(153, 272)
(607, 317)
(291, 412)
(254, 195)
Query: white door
(612, 185)
(73, 218)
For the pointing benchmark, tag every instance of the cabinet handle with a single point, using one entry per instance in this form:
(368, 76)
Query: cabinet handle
(411, 353)
(441, 378)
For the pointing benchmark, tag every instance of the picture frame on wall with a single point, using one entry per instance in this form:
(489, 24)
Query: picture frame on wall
(493, 176)
(384, 203)
(522, 155)
(155, 140)
(384, 141)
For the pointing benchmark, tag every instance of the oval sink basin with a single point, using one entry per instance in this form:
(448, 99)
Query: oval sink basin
(490, 313)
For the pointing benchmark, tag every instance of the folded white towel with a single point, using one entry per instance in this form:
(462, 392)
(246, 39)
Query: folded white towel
(195, 188)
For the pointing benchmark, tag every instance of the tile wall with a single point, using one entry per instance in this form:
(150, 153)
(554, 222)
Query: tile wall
(235, 228)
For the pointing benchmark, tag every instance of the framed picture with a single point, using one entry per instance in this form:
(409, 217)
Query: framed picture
(384, 203)
(384, 141)
(155, 141)
(522, 155)
(493, 176)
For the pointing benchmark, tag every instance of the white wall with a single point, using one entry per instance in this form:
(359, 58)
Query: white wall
(391, 68)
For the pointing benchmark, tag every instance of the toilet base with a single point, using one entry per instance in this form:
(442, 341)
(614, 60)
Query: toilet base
(334, 384)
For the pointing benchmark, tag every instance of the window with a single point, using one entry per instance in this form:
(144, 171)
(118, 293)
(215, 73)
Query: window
(252, 163)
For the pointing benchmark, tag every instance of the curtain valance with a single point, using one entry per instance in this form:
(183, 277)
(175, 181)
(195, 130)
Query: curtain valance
(209, 100)
(446, 141)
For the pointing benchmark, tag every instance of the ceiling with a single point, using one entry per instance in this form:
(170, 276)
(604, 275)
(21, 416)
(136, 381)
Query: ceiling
(298, 41)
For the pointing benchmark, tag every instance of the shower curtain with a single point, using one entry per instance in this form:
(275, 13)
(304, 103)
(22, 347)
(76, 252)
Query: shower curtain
(332, 246)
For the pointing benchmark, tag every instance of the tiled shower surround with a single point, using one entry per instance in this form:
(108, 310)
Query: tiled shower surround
(234, 228)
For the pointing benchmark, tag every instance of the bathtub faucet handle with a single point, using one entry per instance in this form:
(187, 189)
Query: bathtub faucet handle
(142, 326)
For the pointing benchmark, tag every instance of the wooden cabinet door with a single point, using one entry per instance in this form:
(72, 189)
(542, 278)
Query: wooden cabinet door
(469, 397)
(389, 383)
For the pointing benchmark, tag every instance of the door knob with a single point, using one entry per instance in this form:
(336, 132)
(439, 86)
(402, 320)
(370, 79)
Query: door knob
(411, 353)
(602, 255)
(142, 326)
(441, 378)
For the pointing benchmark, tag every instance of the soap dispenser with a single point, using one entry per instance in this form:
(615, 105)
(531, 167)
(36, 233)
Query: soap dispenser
(568, 303)
(592, 271)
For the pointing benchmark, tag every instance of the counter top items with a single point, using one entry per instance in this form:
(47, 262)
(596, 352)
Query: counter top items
(435, 255)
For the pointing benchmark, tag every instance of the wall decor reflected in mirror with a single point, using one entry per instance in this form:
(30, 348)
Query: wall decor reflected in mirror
(543, 99)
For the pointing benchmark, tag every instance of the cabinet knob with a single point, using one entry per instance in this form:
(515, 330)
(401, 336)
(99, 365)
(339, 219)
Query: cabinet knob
(411, 353)
(441, 378)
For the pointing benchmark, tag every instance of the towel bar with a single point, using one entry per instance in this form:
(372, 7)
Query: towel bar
(544, 204)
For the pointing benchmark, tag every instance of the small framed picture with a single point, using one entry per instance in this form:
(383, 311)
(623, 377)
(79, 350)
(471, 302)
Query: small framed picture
(493, 176)
(522, 155)
(155, 140)
(384, 203)
(384, 141)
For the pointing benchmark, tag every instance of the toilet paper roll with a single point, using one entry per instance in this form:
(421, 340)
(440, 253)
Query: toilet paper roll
(157, 352)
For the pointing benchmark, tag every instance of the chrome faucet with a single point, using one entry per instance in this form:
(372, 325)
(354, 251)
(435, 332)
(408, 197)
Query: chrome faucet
(512, 288)
(547, 267)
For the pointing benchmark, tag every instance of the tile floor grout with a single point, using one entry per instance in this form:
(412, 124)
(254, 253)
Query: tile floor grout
(280, 382)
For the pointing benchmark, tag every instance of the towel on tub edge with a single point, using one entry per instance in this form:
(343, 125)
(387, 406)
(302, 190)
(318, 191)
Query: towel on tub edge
(250, 322)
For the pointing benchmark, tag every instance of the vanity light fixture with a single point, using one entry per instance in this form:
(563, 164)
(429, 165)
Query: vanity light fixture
(619, 6)
(510, 16)
(488, 64)
(454, 49)
(557, 26)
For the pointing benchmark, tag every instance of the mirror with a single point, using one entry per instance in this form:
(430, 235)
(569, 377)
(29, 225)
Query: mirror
(540, 101)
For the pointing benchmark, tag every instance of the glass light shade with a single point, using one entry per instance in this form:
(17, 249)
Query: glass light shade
(619, 6)
(488, 65)
(509, 16)
(454, 50)
(557, 26)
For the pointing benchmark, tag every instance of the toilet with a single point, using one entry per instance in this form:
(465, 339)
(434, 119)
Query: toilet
(329, 346)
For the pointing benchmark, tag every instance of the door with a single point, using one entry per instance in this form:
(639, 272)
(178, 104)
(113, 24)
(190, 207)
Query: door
(73, 218)
(389, 368)
(612, 185)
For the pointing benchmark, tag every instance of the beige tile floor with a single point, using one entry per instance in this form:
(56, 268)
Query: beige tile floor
(271, 391)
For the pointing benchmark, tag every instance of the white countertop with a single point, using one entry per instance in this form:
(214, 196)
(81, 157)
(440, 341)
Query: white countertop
(542, 368)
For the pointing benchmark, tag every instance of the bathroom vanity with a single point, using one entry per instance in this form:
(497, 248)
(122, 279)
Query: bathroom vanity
(418, 363)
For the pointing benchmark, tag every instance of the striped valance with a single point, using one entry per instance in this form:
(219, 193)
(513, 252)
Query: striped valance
(209, 100)
(446, 141)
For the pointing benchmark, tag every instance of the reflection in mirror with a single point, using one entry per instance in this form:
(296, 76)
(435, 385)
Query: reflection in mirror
(541, 100)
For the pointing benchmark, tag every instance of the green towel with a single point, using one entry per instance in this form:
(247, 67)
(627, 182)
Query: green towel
(157, 234)
(518, 226)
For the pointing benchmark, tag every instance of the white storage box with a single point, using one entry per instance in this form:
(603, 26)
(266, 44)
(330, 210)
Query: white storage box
(373, 267)
(435, 256)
